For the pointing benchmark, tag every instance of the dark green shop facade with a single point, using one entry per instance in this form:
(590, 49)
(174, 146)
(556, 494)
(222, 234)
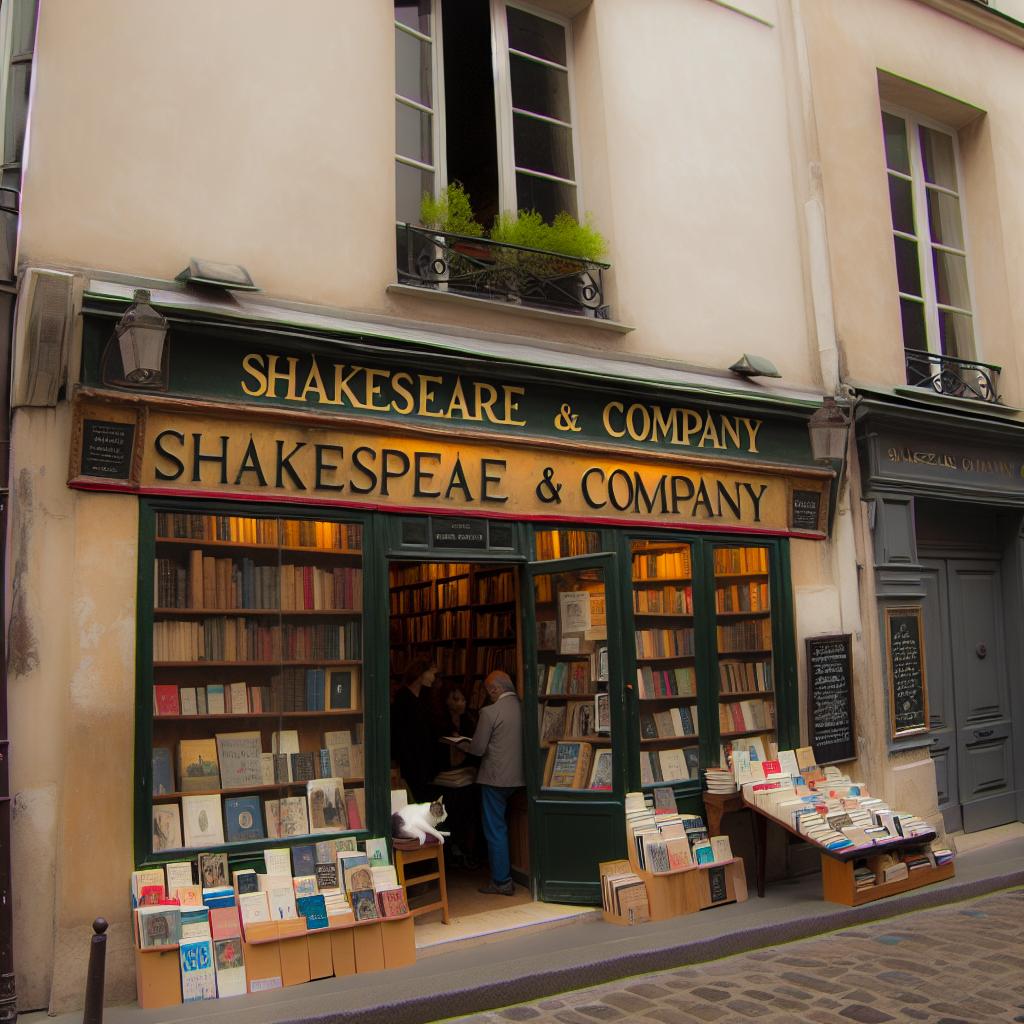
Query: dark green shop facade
(300, 492)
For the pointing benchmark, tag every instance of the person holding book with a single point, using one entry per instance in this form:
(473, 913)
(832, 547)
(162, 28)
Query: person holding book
(412, 737)
(455, 780)
(498, 741)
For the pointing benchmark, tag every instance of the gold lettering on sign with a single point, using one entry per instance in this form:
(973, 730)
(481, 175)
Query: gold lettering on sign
(687, 428)
(266, 375)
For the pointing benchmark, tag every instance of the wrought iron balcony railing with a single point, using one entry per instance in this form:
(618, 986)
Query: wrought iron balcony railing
(496, 270)
(948, 375)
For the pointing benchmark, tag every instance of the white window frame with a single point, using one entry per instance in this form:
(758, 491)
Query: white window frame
(504, 110)
(922, 237)
(436, 40)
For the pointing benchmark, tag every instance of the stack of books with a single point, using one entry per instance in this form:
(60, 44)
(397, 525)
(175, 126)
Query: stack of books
(623, 892)
(719, 780)
(664, 842)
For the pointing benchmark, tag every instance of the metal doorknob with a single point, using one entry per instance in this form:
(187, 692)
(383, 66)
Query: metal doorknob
(981, 650)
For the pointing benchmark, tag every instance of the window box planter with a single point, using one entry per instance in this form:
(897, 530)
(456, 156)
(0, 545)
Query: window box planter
(486, 269)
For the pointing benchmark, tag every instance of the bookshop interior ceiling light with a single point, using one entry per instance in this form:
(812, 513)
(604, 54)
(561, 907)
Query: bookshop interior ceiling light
(211, 274)
(137, 354)
(754, 366)
(829, 427)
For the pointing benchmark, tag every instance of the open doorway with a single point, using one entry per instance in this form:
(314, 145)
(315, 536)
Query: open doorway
(453, 623)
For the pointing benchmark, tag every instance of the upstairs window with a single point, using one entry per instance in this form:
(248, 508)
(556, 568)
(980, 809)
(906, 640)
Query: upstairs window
(928, 235)
(484, 97)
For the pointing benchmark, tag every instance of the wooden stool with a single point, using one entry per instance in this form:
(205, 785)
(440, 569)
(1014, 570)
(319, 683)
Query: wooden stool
(409, 851)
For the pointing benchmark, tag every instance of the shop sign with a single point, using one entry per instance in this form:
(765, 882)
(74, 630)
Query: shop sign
(277, 460)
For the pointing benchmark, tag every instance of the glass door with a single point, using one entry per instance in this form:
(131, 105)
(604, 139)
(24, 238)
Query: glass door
(576, 767)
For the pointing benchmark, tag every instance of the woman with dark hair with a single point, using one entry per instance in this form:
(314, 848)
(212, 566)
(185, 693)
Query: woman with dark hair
(412, 738)
(455, 780)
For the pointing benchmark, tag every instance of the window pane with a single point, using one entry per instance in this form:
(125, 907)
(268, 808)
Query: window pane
(956, 334)
(17, 112)
(895, 130)
(951, 279)
(937, 156)
(901, 202)
(536, 36)
(541, 146)
(944, 219)
(414, 13)
(413, 133)
(908, 270)
(410, 184)
(548, 198)
(914, 336)
(540, 89)
(412, 68)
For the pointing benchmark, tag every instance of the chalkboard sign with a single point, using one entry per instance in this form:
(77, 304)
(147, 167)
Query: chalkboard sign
(716, 885)
(830, 722)
(805, 510)
(908, 691)
(459, 533)
(107, 449)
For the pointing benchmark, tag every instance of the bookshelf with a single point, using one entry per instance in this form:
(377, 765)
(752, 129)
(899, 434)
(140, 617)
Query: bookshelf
(666, 666)
(256, 668)
(462, 616)
(574, 713)
(743, 642)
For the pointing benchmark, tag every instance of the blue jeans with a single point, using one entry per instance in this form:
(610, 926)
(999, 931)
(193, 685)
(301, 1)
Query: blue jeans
(494, 801)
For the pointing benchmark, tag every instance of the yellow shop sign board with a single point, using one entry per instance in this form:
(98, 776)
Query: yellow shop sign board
(174, 450)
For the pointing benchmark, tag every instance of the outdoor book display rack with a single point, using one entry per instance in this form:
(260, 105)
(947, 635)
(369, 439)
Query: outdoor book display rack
(837, 866)
(284, 953)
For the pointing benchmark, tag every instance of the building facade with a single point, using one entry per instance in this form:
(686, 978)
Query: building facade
(402, 407)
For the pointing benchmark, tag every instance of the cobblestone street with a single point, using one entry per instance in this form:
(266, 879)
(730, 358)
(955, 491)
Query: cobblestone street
(960, 964)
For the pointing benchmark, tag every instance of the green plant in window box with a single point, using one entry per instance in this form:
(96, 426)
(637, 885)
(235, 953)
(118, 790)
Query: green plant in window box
(450, 212)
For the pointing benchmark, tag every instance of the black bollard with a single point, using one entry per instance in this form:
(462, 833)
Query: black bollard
(93, 1013)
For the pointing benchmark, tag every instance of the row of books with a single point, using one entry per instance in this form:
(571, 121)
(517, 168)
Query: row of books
(225, 584)
(740, 559)
(455, 592)
(573, 764)
(744, 676)
(236, 760)
(679, 681)
(296, 533)
(742, 597)
(495, 625)
(749, 635)
(745, 715)
(565, 677)
(623, 892)
(663, 643)
(207, 919)
(576, 719)
(411, 601)
(495, 588)
(756, 748)
(426, 572)
(662, 840)
(677, 721)
(563, 543)
(312, 689)
(678, 764)
(667, 600)
(226, 638)
(412, 629)
(209, 819)
(672, 564)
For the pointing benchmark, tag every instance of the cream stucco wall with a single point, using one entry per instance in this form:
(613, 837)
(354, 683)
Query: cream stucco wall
(848, 45)
(72, 595)
(235, 132)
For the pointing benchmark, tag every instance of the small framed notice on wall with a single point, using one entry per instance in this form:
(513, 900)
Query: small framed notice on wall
(904, 656)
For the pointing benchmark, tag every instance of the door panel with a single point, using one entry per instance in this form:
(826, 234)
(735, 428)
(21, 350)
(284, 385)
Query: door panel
(941, 704)
(984, 735)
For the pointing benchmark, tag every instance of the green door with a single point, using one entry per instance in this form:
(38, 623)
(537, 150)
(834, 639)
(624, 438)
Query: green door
(575, 725)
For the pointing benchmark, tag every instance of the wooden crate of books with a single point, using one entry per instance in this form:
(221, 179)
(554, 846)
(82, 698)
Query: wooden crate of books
(623, 894)
(839, 884)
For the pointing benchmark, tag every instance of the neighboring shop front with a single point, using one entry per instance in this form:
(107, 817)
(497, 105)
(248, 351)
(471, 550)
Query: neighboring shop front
(269, 500)
(946, 492)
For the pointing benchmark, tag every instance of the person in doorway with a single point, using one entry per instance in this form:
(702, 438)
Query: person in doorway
(456, 778)
(412, 738)
(498, 741)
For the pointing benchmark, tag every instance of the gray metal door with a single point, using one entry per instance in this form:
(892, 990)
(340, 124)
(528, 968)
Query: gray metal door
(984, 738)
(941, 701)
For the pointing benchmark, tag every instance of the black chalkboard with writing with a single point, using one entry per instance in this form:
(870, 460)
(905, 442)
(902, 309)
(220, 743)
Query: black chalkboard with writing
(908, 691)
(830, 722)
(107, 449)
(717, 888)
(805, 510)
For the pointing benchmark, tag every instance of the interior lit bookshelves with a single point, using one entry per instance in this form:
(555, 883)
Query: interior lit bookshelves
(744, 645)
(666, 662)
(256, 700)
(463, 617)
(574, 716)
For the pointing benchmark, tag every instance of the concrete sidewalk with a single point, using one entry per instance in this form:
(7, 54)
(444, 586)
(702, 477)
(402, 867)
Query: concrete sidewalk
(525, 967)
